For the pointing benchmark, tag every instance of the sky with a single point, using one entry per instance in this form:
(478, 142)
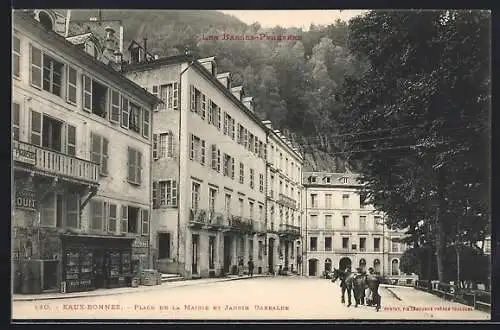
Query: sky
(292, 18)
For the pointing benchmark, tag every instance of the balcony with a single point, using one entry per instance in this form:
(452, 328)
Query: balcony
(259, 227)
(287, 201)
(240, 224)
(289, 231)
(198, 218)
(54, 162)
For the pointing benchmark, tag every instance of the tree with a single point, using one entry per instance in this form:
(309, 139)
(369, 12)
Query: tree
(425, 100)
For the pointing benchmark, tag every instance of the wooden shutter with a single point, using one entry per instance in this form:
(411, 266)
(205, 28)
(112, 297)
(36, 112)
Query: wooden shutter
(203, 109)
(232, 168)
(214, 156)
(104, 155)
(155, 93)
(36, 61)
(71, 140)
(145, 221)
(203, 153)
(124, 219)
(170, 144)
(218, 160)
(218, 118)
(174, 192)
(125, 113)
(131, 165)
(71, 86)
(87, 93)
(115, 107)
(191, 144)
(156, 195)
(155, 146)
(208, 106)
(36, 128)
(193, 98)
(112, 218)
(138, 175)
(145, 123)
(176, 96)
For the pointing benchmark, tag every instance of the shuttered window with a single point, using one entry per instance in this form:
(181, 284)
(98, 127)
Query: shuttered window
(134, 166)
(36, 128)
(112, 218)
(124, 219)
(71, 85)
(145, 222)
(87, 93)
(99, 152)
(115, 107)
(125, 113)
(71, 140)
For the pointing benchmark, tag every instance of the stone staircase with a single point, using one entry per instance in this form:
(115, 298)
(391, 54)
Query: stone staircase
(171, 278)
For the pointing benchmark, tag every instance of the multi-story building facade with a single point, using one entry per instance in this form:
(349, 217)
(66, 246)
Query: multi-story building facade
(81, 143)
(283, 202)
(340, 229)
(208, 170)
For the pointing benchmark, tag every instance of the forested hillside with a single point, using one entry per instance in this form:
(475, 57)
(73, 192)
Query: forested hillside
(293, 82)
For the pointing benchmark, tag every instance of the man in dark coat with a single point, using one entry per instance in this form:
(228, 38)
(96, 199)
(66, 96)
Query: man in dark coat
(373, 282)
(250, 267)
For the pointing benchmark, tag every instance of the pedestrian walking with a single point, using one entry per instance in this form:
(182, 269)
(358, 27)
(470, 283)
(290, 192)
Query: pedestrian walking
(240, 266)
(250, 267)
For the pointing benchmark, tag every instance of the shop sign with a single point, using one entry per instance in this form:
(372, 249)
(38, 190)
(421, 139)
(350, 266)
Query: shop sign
(25, 199)
(140, 243)
(24, 153)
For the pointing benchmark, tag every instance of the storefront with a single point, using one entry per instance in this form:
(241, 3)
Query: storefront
(92, 262)
(140, 254)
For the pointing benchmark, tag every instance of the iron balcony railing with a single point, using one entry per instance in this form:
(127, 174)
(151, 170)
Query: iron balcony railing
(258, 226)
(287, 201)
(285, 228)
(55, 162)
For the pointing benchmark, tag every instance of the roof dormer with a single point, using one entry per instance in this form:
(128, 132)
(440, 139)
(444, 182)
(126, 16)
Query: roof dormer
(238, 92)
(225, 79)
(248, 102)
(209, 64)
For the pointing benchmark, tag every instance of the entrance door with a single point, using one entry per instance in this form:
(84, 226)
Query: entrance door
(271, 255)
(313, 267)
(50, 274)
(195, 244)
(100, 269)
(163, 245)
(286, 254)
(227, 253)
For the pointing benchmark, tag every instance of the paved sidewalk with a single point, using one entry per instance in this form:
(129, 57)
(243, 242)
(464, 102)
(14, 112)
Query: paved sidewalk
(141, 288)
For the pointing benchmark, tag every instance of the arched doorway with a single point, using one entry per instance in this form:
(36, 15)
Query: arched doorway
(344, 263)
(395, 267)
(313, 267)
(376, 266)
(362, 264)
(45, 20)
(328, 265)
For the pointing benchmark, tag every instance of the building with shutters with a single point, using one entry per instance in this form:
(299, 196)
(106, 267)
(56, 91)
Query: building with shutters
(208, 167)
(81, 144)
(340, 229)
(284, 207)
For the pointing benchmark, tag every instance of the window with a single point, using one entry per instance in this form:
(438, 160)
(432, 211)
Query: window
(211, 252)
(134, 220)
(394, 246)
(215, 158)
(97, 215)
(134, 166)
(328, 221)
(165, 193)
(16, 56)
(16, 120)
(314, 221)
(260, 251)
(240, 134)
(124, 112)
(261, 213)
(163, 245)
(376, 244)
(36, 128)
(344, 180)
(314, 200)
(362, 222)
(71, 86)
(36, 67)
(215, 114)
(195, 196)
(52, 134)
(228, 166)
(163, 145)
(345, 221)
(198, 102)
(197, 152)
(250, 142)
(241, 207)
(362, 244)
(328, 243)
(146, 123)
(95, 97)
(242, 173)
(48, 210)
(52, 75)
(72, 210)
(169, 94)
(145, 222)
(227, 203)
(345, 201)
(124, 220)
(250, 205)
(261, 182)
(252, 185)
(112, 218)
(395, 267)
(99, 152)
(212, 194)
(328, 201)
(134, 121)
(345, 243)
(313, 243)
(250, 248)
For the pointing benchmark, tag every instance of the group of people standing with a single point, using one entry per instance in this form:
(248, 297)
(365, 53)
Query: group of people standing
(241, 264)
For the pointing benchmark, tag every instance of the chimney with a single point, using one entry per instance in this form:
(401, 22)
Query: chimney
(145, 49)
(248, 102)
(209, 64)
(225, 79)
(237, 92)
